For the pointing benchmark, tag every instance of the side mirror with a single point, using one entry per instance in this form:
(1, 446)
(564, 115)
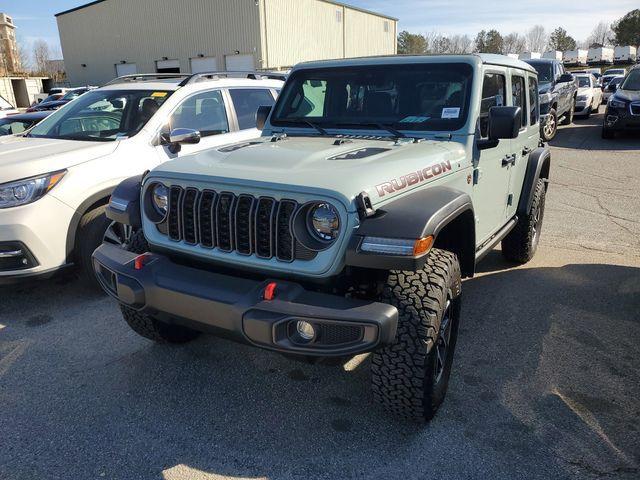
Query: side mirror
(261, 116)
(504, 123)
(184, 135)
(613, 86)
(565, 78)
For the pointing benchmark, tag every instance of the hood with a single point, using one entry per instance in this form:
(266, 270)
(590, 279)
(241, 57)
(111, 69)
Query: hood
(628, 95)
(587, 91)
(382, 168)
(23, 157)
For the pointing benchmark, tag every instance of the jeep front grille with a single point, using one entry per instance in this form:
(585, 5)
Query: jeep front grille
(228, 222)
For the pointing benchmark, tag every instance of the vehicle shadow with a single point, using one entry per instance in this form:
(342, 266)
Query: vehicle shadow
(544, 382)
(585, 133)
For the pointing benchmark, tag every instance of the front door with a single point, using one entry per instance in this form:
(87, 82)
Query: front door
(491, 177)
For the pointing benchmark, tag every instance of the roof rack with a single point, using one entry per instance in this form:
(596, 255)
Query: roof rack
(253, 75)
(142, 77)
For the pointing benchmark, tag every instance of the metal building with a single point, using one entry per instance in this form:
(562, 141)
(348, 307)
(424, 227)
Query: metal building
(106, 38)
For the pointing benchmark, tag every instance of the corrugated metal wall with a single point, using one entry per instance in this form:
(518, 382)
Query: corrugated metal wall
(303, 30)
(144, 31)
(279, 33)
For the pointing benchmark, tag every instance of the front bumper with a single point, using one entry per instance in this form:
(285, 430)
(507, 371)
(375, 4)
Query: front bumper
(209, 301)
(621, 118)
(40, 229)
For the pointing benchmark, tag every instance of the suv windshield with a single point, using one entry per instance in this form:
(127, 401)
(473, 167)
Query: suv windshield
(544, 69)
(632, 82)
(102, 115)
(433, 96)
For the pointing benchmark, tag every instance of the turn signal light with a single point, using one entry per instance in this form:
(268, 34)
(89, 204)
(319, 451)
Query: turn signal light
(141, 260)
(422, 245)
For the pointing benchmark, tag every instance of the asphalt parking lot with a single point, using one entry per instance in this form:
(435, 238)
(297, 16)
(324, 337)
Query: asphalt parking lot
(545, 384)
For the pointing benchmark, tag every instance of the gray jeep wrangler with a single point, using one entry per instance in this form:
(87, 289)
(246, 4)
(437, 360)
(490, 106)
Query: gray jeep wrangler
(347, 227)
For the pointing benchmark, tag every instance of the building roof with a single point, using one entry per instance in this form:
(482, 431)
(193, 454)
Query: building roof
(340, 4)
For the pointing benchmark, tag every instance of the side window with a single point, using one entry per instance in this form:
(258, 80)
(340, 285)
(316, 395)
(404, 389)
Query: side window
(518, 94)
(204, 112)
(493, 95)
(246, 102)
(534, 110)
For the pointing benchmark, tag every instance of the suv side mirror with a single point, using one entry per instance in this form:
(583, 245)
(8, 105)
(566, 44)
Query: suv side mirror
(613, 86)
(261, 116)
(565, 78)
(504, 123)
(177, 137)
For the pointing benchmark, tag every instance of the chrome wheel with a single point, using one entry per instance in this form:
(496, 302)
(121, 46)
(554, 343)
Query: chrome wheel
(550, 127)
(118, 234)
(442, 343)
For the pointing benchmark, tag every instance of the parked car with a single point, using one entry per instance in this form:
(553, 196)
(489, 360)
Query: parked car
(45, 97)
(6, 108)
(56, 104)
(610, 74)
(56, 180)
(623, 107)
(611, 87)
(589, 95)
(558, 92)
(18, 123)
(348, 226)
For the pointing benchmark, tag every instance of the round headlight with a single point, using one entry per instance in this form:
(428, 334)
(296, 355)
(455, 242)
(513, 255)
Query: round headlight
(160, 198)
(323, 222)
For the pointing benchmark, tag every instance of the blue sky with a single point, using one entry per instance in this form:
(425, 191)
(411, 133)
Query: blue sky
(35, 18)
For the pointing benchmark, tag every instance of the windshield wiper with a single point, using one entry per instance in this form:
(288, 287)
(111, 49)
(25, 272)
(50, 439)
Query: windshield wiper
(317, 127)
(379, 126)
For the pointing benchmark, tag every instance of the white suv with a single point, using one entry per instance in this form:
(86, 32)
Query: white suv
(56, 179)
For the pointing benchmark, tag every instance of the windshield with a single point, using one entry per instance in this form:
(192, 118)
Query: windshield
(545, 71)
(102, 115)
(406, 97)
(632, 82)
(584, 82)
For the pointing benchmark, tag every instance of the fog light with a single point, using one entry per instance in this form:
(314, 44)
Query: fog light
(305, 330)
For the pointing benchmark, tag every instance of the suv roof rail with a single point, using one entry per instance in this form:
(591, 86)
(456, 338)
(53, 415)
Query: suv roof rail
(141, 77)
(253, 75)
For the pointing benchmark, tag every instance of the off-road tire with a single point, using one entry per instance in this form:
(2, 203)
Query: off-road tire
(521, 243)
(607, 133)
(568, 116)
(91, 230)
(548, 136)
(145, 325)
(403, 374)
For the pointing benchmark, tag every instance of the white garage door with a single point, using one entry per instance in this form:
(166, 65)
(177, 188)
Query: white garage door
(126, 69)
(239, 63)
(167, 64)
(204, 64)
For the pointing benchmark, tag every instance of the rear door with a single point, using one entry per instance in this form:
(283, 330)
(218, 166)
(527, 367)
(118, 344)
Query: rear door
(523, 94)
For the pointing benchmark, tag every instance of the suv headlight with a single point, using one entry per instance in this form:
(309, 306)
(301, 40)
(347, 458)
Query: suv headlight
(323, 221)
(545, 98)
(28, 190)
(615, 103)
(160, 198)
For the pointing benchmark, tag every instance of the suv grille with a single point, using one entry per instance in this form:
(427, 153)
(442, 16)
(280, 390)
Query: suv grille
(635, 108)
(241, 223)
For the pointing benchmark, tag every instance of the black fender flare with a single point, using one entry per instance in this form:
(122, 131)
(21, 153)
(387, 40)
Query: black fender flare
(417, 215)
(538, 166)
(124, 206)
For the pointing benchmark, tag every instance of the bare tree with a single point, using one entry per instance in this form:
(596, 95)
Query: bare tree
(459, 44)
(600, 36)
(41, 56)
(23, 56)
(514, 43)
(537, 39)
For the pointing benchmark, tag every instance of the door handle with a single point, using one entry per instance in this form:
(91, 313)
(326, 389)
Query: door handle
(526, 151)
(509, 160)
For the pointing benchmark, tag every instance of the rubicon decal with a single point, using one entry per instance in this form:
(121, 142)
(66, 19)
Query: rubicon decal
(412, 178)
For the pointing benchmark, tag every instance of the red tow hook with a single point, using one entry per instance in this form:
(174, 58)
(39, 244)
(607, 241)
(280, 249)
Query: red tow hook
(141, 260)
(270, 291)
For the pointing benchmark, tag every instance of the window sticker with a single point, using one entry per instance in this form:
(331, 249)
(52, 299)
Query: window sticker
(451, 112)
(159, 94)
(414, 119)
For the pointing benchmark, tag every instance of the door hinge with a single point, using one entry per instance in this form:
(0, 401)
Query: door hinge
(510, 199)
(509, 160)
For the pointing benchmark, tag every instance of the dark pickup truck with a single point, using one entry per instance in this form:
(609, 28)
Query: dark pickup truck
(558, 91)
